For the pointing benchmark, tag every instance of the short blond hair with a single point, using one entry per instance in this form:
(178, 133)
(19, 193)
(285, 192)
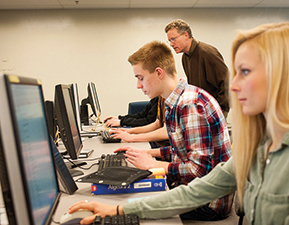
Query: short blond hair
(152, 55)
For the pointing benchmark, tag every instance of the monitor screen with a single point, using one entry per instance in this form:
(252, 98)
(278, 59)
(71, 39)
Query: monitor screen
(66, 120)
(50, 118)
(93, 99)
(29, 180)
(75, 104)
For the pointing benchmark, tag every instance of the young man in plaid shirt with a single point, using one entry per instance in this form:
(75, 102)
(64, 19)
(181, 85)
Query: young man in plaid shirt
(196, 127)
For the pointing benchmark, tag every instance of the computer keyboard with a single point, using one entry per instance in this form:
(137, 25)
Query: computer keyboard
(107, 138)
(110, 160)
(130, 219)
(114, 170)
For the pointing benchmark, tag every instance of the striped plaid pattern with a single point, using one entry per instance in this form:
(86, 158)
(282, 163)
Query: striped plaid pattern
(198, 135)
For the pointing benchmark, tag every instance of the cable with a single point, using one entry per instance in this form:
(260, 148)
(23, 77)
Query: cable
(83, 168)
(94, 164)
(83, 159)
(55, 221)
(57, 135)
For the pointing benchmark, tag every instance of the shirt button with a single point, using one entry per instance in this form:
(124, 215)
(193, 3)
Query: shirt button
(268, 161)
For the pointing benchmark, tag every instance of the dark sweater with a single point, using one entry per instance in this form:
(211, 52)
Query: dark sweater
(205, 68)
(145, 117)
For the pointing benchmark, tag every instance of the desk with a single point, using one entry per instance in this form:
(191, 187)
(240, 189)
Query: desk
(84, 191)
(3, 217)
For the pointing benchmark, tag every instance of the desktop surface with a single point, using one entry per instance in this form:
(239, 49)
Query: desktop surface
(84, 191)
(3, 217)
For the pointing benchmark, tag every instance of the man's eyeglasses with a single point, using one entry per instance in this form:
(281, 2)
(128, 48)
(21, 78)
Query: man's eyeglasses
(173, 40)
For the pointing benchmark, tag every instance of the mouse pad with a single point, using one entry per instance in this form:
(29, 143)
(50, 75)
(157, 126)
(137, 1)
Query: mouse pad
(120, 176)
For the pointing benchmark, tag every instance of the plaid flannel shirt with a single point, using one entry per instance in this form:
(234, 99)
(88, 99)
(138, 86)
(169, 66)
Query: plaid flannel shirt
(198, 135)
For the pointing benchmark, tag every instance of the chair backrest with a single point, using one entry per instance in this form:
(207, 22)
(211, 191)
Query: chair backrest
(135, 107)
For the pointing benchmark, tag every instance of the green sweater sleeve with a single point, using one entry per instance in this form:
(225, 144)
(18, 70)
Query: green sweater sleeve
(219, 182)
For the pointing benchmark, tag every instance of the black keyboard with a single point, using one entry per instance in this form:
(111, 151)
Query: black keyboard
(129, 219)
(114, 170)
(110, 160)
(107, 138)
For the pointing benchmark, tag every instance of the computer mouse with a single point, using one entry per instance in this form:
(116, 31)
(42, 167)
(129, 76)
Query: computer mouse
(74, 218)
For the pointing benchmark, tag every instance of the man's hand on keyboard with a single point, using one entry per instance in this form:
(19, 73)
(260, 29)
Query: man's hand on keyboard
(138, 157)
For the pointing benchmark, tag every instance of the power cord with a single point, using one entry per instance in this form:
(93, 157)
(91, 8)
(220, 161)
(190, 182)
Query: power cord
(83, 168)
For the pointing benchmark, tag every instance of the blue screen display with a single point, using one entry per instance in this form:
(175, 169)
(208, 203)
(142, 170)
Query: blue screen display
(37, 160)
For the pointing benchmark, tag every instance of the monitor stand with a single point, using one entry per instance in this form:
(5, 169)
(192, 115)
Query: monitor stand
(72, 169)
(84, 114)
(75, 173)
(97, 122)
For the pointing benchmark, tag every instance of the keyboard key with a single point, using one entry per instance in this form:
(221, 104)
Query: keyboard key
(130, 219)
(106, 138)
(110, 160)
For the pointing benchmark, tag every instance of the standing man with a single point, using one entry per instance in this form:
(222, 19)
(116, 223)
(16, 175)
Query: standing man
(203, 64)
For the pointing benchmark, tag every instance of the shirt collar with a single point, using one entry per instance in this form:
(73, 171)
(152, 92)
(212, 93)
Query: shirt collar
(284, 142)
(193, 46)
(174, 96)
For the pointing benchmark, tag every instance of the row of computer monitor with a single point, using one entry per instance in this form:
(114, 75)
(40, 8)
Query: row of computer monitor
(70, 115)
(27, 167)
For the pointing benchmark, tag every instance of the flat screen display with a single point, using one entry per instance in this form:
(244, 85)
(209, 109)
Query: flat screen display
(39, 176)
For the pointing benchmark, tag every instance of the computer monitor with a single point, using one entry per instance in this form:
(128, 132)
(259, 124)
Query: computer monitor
(66, 182)
(66, 120)
(50, 118)
(75, 103)
(93, 100)
(28, 177)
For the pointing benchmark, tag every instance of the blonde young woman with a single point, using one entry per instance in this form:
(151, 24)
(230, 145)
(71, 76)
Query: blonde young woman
(259, 168)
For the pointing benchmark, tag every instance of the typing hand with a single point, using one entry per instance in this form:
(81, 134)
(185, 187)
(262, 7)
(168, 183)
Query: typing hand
(112, 122)
(121, 134)
(140, 158)
(115, 130)
(108, 118)
(125, 148)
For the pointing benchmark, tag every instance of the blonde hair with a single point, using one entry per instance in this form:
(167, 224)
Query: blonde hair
(152, 55)
(181, 26)
(272, 42)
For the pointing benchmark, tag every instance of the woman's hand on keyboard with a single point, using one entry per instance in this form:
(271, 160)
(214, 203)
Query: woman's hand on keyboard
(97, 208)
(121, 134)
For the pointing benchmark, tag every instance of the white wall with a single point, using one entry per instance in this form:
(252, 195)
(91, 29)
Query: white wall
(65, 46)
